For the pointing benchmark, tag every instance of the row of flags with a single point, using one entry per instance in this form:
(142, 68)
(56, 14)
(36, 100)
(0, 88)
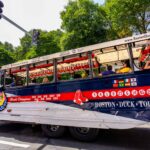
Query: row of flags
(125, 82)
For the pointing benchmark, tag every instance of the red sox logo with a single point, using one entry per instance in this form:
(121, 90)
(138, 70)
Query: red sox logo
(79, 98)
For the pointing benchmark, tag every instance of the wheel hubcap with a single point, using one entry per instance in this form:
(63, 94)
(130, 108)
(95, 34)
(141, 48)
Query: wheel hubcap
(53, 128)
(83, 130)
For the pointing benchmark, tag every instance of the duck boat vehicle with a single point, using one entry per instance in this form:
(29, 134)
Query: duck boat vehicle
(83, 104)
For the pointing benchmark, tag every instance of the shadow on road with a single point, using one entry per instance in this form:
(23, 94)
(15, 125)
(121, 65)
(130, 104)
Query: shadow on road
(108, 139)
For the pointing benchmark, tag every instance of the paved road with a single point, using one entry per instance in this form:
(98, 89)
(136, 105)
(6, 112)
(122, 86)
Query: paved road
(22, 136)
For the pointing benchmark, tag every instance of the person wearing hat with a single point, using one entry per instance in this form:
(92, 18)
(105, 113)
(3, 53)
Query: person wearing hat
(126, 67)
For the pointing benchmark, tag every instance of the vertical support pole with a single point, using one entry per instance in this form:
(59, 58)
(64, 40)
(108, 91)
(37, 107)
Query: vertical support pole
(90, 64)
(131, 56)
(27, 75)
(55, 70)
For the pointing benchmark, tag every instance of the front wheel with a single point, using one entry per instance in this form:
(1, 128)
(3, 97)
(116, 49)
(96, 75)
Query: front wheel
(53, 131)
(84, 134)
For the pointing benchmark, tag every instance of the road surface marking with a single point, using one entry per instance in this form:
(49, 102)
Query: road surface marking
(14, 144)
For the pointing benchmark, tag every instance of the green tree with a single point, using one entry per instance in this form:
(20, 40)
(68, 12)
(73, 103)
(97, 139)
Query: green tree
(8, 47)
(48, 43)
(126, 16)
(83, 23)
(6, 56)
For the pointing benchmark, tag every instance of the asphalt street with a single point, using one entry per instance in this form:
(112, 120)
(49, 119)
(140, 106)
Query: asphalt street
(14, 136)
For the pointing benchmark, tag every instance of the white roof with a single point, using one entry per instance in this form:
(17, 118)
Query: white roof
(127, 40)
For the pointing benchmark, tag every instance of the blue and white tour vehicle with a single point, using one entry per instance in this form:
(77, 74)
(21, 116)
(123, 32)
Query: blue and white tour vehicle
(74, 94)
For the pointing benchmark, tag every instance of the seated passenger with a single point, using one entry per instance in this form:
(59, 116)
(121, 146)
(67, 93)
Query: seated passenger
(72, 74)
(85, 74)
(33, 81)
(147, 65)
(144, 57)
(45, 80)
(18, 81)
(13, 83)
(145, 52)
(77, 76)
(126, 67)
(108, 71)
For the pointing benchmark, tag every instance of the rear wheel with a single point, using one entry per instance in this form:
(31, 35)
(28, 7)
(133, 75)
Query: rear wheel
(54, 131)
(84, 134)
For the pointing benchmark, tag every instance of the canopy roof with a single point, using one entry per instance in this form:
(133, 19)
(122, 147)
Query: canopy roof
(100, 46)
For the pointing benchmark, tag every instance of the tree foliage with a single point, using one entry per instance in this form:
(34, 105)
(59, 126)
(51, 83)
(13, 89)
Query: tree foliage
(83, 23)
(126, 16)
(6, 55)
(48, 43)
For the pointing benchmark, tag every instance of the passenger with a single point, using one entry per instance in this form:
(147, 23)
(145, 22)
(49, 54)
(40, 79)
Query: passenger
(144, 57)
(59, 76)
(145, 52)
(108, 71)
(72, 74)
(13, 83)
(18, 81)
(33, 81)
(126, 67)
(45, 80)
(85, 74)
(147, 65)
(77, 76)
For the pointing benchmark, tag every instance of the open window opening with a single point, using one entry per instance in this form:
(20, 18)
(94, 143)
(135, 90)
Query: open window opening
(73, 67)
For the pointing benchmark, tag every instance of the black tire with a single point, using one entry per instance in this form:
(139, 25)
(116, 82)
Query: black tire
(78, 133)
(53, 131)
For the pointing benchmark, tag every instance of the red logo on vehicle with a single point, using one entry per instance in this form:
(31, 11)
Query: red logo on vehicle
(79, 98)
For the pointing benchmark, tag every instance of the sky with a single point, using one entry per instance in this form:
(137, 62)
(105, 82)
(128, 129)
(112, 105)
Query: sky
(31, 14)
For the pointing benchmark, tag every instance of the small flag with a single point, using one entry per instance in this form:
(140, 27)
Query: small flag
(127, 84)
(121, 84)
(127, 80)
(115, 85)
(133, 79)
(121, 81)
(115, 81)
(133, 83)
